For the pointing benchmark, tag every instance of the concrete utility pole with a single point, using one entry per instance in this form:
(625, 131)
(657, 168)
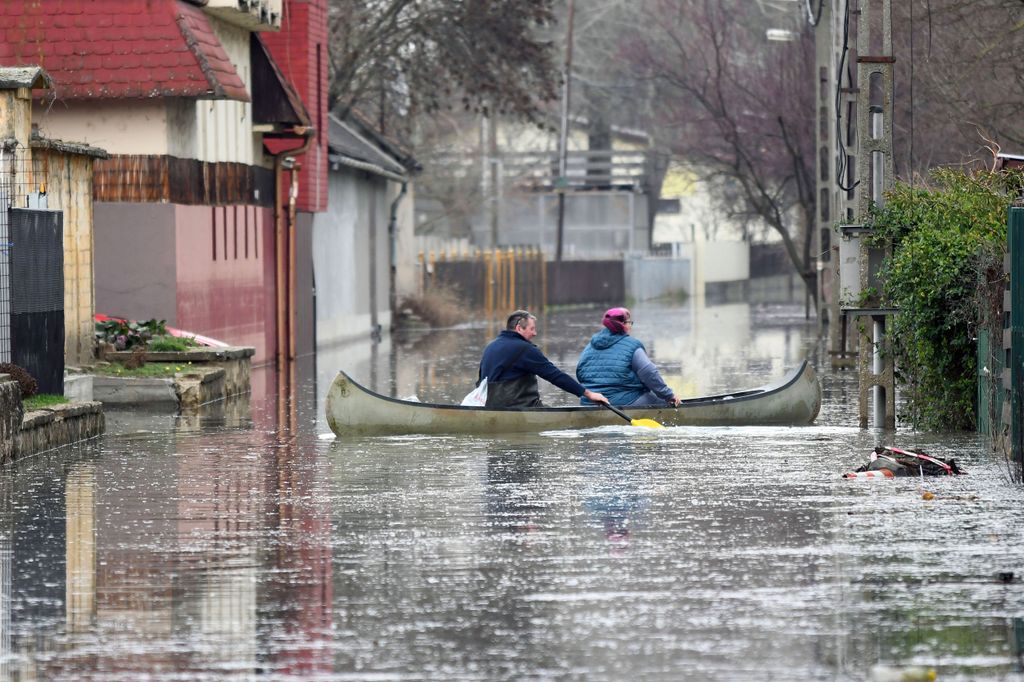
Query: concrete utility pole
(825, 159)
(836, 160)
(874, 172)
(561, 184)
(858, 164)
(875, 62)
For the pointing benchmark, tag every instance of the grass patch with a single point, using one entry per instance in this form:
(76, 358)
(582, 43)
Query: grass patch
(150, 369)
(170, 344)
(41, 400)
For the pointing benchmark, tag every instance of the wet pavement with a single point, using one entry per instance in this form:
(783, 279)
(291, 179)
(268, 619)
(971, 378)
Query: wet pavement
(249, 543)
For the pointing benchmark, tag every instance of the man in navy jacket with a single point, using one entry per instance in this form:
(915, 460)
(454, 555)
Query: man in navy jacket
(512, 364)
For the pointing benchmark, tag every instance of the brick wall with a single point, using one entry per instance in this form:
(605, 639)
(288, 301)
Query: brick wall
(300, 50)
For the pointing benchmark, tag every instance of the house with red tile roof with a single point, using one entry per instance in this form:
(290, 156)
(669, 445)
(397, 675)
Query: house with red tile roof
(198, 209)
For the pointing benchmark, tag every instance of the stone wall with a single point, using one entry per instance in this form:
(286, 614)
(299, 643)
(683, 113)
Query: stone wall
(199, 387)
(59, 425)
(236, 363)
(10, 417)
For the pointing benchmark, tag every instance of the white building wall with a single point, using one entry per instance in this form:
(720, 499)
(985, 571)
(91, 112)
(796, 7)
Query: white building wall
(224, 127)
(724, 261)
(406, 251)
(138, 126)
(341, 258)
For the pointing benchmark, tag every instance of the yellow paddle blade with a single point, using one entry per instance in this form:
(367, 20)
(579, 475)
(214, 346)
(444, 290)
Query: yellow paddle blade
(649, 423)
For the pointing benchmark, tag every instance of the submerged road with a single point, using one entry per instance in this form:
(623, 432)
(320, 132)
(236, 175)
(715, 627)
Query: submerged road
(250, 543)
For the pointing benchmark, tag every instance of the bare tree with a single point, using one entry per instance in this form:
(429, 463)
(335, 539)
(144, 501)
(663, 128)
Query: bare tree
(396, 59)
(958, 81)
(735, 108)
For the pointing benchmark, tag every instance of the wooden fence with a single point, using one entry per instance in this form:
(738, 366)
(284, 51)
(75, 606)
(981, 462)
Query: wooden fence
(494, 281)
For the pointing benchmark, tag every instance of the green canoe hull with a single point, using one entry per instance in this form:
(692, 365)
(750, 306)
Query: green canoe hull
(353, 409)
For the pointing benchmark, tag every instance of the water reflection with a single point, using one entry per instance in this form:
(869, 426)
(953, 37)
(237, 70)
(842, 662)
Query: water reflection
(236, 544)
(613, 495)
(513, 504)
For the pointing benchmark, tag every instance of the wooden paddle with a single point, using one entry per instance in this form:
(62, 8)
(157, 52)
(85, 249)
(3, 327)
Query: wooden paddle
(649, 423)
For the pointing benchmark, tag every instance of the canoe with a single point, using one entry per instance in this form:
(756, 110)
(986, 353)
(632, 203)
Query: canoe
(794, 400)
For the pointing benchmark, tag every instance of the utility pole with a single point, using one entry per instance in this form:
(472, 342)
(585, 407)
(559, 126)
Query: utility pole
(825, 159)
(562, 182)
(855, 169)
(492, 169)
(865, 151)
(875, 66)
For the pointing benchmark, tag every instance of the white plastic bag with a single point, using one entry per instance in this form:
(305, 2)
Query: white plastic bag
(478, 396)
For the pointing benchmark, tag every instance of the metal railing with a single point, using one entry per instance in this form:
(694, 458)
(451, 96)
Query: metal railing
(600, 169)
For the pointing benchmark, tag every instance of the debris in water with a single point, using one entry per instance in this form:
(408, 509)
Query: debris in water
(897, 462)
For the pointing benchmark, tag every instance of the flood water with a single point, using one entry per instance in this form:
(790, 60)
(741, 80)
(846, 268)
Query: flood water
(249, 543)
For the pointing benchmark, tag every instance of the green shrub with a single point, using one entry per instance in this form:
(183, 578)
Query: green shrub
(945, 277)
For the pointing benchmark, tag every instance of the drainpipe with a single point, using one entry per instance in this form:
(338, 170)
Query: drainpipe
(284, 272)
(279, 261)
(393, 249)
(293, 195)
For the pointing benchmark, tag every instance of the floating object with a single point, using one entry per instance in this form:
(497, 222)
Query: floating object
(794, 400)
(899, 463)
(881, 473)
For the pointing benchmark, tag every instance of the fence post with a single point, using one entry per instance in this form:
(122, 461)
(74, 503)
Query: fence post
(1016, 249)
(511, 279)
(501, 297)
(489, 284)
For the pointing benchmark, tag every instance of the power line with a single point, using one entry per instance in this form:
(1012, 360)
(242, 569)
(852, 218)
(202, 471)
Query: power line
(841, 161)
(812, 16)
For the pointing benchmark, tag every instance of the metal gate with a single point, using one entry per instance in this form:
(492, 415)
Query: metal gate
(37, 295)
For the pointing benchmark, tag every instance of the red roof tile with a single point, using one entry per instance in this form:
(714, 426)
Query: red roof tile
(100, 49)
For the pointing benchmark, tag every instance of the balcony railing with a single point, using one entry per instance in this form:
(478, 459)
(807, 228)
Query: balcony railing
(604, 169)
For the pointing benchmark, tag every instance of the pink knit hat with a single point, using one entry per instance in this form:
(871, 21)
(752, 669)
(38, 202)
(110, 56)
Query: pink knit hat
(615, 320)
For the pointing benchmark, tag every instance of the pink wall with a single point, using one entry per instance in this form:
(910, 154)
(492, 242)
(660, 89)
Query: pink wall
(223, 257)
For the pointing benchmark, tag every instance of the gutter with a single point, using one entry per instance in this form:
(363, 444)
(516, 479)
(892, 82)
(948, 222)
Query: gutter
(341, 159)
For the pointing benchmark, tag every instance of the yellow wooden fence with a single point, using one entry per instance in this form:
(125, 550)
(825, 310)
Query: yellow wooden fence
(493, 281)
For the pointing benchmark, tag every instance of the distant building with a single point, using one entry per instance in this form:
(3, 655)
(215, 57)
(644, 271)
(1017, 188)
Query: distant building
(500, 181)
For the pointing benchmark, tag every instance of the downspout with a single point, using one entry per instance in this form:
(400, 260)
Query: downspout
(372, 215)
(393, 251)
(293, 195)
(284, 270)
(279, 261)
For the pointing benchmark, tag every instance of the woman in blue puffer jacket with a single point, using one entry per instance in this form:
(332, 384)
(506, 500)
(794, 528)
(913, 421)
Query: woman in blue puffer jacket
(616, 365)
